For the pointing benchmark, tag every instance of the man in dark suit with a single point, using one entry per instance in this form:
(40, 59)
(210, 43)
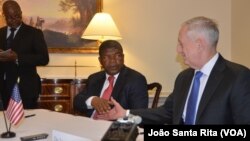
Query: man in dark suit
(22, 48)
(129, 88)
(224, 89)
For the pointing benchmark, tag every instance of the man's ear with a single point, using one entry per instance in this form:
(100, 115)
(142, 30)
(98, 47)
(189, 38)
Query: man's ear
(100, 60)
(199, 43)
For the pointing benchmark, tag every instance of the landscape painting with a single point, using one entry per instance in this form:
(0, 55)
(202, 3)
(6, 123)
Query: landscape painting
(62, 22)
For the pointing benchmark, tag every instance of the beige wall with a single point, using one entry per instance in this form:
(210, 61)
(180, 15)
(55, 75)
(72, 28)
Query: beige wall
(149, 29)
(241, 32)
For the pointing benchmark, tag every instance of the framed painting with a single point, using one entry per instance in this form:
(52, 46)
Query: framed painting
(62, 22)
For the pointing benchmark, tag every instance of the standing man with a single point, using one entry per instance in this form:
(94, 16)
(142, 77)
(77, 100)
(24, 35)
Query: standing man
(212, 91)
(129, 87)
(22, 48)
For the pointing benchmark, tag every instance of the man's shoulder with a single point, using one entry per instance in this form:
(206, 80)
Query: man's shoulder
(96, 75)
(234, 67)
(132, 72)
(237, 68)
(30, 28)
(186, 73)
(3, 28)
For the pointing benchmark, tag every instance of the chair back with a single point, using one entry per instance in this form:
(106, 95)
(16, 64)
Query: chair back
(157, 91)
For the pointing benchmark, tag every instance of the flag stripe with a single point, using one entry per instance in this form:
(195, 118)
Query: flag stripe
(15, 110)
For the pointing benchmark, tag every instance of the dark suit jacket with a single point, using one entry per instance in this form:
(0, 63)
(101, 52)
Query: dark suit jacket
(31, 48)
(130, 90)
(225, 100)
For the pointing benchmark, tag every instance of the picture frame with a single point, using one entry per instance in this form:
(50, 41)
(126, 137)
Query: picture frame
(63, 23)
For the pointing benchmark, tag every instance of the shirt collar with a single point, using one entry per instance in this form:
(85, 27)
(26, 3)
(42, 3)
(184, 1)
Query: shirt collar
(207, 68)
(116, 75)
(16, 28)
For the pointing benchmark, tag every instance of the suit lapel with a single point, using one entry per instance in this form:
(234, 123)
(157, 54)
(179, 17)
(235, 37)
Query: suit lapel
(98, 84)
(120, 82)
(17, 38)
(182, 96)
(3, 38)
(214, 80)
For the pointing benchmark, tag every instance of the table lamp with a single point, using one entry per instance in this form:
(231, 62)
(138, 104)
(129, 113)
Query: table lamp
(101, 28)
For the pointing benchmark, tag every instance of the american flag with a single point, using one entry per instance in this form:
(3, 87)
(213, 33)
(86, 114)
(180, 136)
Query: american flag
(15, 110)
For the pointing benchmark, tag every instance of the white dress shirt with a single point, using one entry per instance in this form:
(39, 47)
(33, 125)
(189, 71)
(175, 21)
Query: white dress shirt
(206, 70)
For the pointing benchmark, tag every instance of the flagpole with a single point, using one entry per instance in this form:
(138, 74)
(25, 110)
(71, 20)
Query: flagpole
(5, 121)
(8, 133)
(9, 127)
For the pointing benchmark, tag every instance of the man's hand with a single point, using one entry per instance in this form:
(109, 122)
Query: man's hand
(117, 112)
(102, 106)
(7, 56)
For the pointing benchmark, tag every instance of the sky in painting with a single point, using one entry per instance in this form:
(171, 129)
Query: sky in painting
(48, 11)
(43, 8)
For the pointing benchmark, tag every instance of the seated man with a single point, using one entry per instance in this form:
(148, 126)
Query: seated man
(212, 91)
(124, 84)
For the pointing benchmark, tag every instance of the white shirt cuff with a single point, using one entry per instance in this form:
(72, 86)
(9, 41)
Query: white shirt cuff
(88, 102)
(127, 113)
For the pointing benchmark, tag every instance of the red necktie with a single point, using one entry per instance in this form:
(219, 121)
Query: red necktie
(107, 93)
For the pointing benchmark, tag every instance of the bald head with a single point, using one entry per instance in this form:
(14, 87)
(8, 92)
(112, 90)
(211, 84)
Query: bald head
(12, 13)
(11, 4)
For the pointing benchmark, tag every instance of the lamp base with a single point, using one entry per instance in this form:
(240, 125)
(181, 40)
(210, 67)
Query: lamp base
(8, 134)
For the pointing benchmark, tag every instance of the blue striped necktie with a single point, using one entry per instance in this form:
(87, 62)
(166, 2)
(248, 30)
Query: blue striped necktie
(192, 100)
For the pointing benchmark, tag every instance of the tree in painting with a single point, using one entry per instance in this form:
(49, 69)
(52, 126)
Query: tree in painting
(83, 11)
(84, 8)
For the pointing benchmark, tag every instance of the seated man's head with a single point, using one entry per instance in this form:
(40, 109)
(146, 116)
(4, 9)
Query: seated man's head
(111, 56)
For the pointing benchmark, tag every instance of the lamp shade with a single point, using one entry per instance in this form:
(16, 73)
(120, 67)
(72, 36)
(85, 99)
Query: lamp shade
(101, 28)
